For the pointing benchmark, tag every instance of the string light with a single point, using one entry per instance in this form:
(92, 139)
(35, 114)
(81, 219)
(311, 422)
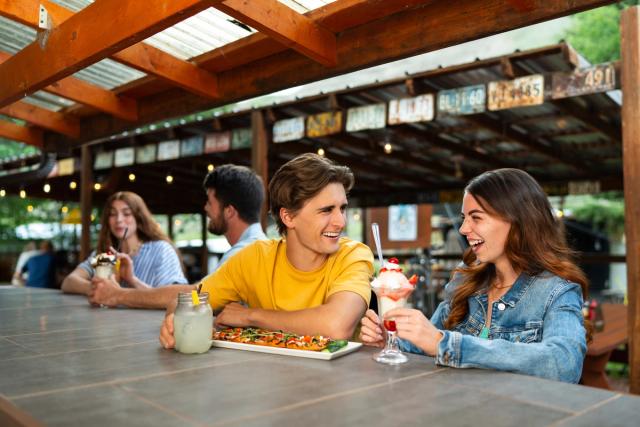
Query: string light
(3, 193)
(30, 208)
(23, 194)
(388, 148)
(356, 216)
(210, 167)
(93, 217)
(177, 222)
(321, 151)
(169, 179)
(97, 186)
(64, 209)
(132, 177)
(73, 185)
(46, 188)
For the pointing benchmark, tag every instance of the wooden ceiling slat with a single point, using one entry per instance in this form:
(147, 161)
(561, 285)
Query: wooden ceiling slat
(96, 32)
(285, 25)
(27, 135)
(43, 118)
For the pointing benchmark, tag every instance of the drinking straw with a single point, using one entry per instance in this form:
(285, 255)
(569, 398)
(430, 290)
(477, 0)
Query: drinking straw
(124, 236)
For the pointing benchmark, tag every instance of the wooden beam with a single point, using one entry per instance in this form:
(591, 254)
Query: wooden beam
(142, 57)
(43, 118)
(96, 32)
(150, 60)
(394, 37)
(630, 47)
(285, 25)
(85, 93)
(260, 156)
(24, 134)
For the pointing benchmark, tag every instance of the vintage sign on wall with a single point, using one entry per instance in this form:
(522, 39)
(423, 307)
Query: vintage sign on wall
(367, 117)
(66, 166)
(599, 78)
(463, 100)
(103, 160)
(217, 142)
(520, 92)
(324, 124)
(191, 146)
(241, 138)
(124, 156)
(411, 110)
(288, 130)
(168, 150)
(146, 153)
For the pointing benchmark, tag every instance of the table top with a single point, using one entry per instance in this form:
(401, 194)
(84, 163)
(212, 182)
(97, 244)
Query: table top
(64, 363)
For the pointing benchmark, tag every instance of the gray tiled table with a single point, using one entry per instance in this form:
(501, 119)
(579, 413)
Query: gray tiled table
(63, 363)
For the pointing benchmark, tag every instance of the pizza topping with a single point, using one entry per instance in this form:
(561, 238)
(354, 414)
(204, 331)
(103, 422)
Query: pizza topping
(281, 339)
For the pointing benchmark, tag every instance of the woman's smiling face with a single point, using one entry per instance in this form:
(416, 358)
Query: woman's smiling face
(486, 233)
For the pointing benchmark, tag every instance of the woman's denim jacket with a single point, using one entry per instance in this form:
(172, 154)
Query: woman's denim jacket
(536, 329)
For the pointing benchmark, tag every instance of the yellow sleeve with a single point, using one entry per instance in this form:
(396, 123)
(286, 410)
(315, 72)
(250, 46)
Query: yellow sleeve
(226, 284)
(354, 271)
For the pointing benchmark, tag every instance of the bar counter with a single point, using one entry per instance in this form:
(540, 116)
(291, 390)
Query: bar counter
(64, 363)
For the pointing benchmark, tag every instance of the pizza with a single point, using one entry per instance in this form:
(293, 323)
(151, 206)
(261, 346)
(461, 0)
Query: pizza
(280, 339)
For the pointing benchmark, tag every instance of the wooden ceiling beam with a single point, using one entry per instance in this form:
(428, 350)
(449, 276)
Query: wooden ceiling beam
(24, 134)
(96, 32)
(286, 26)
(43, 118)
(85, 93)
(141, 56)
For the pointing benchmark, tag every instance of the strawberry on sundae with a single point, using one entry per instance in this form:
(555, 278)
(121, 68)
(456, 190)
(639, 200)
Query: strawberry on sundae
(104, 264)
(392, 289)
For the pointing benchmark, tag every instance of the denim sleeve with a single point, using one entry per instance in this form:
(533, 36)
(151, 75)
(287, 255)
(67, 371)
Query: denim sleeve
(558, 356)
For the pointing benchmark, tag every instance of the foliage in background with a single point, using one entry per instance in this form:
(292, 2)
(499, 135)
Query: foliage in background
(605, 212)
(595, 34)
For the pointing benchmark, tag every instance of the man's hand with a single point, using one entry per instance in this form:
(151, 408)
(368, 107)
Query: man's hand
(234, 315)
(104, 291)
(413, 326)
(370, 332)
(166, 332)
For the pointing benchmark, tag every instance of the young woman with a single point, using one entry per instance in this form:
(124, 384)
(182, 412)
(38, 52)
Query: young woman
(147, 256)
(515, 302)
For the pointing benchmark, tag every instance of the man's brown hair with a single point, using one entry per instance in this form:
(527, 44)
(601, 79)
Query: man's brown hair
(301, 179)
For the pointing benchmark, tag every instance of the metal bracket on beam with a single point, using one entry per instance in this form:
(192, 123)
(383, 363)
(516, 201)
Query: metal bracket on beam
(44, 19)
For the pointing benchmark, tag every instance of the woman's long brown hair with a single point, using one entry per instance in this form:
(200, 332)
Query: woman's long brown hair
(147, 227)
(535, 243)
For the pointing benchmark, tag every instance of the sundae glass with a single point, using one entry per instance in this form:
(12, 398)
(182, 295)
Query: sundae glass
(392, 289)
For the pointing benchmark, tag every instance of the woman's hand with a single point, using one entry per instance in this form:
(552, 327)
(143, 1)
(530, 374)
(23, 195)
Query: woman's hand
(125, 268)
(413, 326)
(370, 330)
(166, 332)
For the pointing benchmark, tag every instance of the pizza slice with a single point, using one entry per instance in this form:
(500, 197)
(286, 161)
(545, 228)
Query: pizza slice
(257, 336)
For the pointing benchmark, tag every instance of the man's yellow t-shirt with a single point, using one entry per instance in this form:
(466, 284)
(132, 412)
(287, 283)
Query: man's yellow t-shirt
(261, 276)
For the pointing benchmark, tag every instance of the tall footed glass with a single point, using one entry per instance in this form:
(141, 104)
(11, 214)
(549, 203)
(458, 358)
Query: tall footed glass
(392, 289)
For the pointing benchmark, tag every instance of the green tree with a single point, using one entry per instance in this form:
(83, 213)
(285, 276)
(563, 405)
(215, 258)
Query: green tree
(595, 34)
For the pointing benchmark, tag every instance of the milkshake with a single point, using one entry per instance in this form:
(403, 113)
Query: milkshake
(104, 265)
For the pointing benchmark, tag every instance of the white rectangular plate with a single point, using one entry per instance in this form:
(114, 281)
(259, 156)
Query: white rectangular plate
(351, 347)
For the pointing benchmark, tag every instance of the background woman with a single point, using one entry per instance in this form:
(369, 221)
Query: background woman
(515, 302)
(147, 256)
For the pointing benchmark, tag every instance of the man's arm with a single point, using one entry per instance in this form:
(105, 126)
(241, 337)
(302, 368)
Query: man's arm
(109, 293)
(337, 318)
(77, 282)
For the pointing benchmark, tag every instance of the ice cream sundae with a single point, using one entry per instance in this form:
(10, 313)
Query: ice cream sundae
(104, 265)
(392, 289)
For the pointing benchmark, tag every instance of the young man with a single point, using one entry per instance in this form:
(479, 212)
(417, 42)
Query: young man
(234, 199)
(310, 281)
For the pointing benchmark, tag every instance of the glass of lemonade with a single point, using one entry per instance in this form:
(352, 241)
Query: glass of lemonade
(193, 324)
(392, 289)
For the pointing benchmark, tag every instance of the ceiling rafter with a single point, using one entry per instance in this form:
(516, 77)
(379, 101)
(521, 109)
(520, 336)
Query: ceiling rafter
(96, 32)
(25, 134)
(286, 26)
(85, 93)
(43, 118)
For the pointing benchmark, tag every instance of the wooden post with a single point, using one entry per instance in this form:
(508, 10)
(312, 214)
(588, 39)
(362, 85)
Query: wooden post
(630, 49)
(86, 186)
(204, 258)
(170, 226)
(259, 155)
